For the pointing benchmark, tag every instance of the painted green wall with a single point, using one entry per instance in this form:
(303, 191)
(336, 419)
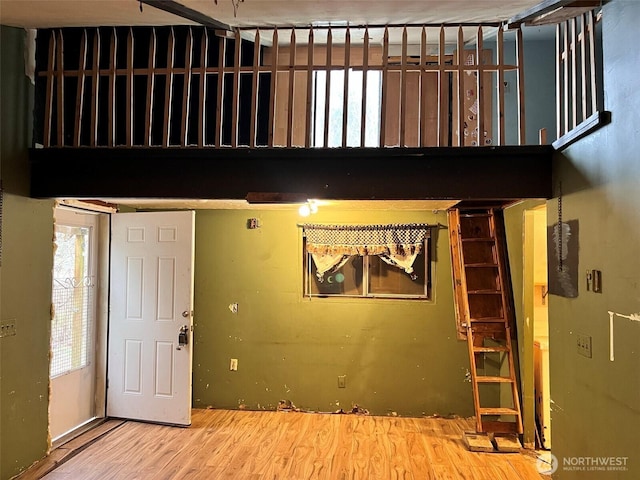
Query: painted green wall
(596, 402)
(399, 356)
(25, 275)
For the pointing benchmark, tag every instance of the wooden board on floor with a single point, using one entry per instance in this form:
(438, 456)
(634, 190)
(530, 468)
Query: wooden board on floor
(507, 443)
(477, 442)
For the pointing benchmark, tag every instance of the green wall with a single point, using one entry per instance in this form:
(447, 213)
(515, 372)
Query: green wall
(25, 275)
(596, 402)
(399, 356)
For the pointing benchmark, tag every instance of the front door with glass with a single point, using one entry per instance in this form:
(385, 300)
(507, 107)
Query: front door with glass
(73, 325)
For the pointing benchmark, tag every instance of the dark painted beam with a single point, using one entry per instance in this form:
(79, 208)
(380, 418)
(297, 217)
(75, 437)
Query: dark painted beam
(349, 174)
(547, 6)
(591, 124)
(187, 13)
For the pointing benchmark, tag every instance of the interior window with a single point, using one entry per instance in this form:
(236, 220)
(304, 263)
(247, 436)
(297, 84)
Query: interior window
(354, 108)
(370, 276)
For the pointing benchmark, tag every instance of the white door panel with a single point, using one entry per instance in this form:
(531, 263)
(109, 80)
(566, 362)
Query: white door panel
(151, 300)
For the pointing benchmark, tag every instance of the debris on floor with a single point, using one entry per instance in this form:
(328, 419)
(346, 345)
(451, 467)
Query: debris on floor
(358, 410)
(286, 406)
(355, 410)
(450, 416)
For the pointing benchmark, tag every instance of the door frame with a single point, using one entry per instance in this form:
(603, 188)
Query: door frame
(534, 234)
(102, 312)
(529, 230)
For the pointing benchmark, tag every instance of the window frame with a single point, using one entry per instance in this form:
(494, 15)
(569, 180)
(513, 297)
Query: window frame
(319, 122)
(429, 266)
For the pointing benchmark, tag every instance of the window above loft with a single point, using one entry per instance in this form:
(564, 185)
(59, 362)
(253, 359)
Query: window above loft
(329, 99)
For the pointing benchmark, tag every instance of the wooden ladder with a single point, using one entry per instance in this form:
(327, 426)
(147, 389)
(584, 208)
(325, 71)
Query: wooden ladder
(484, 315)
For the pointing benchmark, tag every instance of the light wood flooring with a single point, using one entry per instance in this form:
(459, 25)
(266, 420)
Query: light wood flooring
(290, 445)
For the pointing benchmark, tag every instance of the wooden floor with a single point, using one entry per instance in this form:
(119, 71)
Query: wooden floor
(289, 445)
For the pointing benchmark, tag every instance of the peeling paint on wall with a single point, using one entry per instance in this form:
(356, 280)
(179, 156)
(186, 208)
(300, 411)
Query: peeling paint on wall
(634, 317)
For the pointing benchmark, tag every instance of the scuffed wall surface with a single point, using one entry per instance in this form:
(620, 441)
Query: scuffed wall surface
(25, 275)
(596, 402)
(398, 356)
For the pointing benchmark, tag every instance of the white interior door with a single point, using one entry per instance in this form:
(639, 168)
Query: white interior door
(73, 325)
(151, 302)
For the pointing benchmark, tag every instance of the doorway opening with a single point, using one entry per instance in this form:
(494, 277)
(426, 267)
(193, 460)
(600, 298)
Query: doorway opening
(77, 368)
(537, 284)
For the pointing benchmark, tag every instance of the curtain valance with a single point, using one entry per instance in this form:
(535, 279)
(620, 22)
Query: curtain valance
(331, 246)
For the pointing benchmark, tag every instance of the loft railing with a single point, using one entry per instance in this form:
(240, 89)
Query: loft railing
(579, 92)
(444, 85)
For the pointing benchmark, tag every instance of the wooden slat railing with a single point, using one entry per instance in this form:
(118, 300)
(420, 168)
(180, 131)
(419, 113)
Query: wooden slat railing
(445, 86)
(577, 95)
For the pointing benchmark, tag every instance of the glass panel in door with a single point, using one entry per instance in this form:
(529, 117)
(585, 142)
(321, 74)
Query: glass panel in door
(72, 368)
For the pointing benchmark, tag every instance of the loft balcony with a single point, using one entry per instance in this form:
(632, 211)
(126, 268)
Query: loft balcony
(163, 111)
(392, 86)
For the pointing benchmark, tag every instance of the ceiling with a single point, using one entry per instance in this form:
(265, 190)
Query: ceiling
(66, 13)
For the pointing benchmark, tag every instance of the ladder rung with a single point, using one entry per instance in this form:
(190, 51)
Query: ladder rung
(490, 349)
(497, 411)
(484, 292)
(479, 239)
(492, 379)
(481, 265)
(487, 319)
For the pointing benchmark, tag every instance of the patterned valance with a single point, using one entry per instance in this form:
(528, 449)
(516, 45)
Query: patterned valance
(331, 246)
(365, 239)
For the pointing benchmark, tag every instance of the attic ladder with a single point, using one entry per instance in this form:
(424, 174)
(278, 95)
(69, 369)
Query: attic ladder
(484, 316)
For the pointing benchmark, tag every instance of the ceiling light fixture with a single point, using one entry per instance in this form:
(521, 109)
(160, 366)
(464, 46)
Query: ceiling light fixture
(306, 209)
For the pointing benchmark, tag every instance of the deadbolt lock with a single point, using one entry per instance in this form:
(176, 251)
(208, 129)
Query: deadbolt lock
(183, 337)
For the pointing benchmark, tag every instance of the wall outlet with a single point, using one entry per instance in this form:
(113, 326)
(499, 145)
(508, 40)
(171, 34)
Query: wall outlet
(342, 381)
(233, 364)
(584, 345)
(253, 223)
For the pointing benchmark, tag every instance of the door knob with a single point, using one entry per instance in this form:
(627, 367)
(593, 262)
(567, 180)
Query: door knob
(186, 314)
